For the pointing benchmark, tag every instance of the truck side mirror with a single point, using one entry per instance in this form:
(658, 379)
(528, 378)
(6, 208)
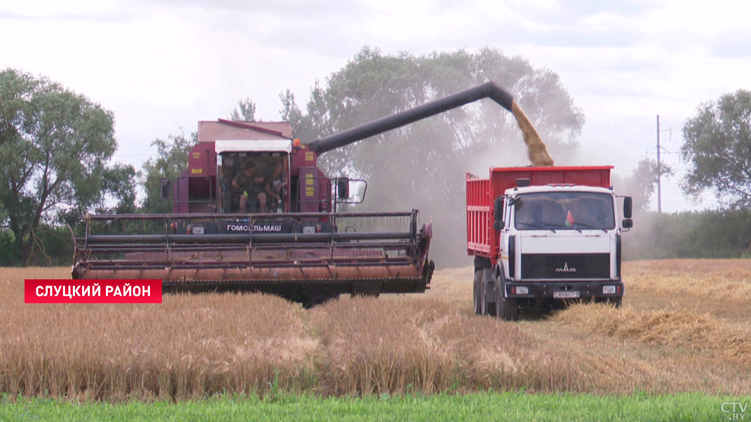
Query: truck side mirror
(165, 191)
(627, 223)
(627, 207)
(498, 214)
(342, 188)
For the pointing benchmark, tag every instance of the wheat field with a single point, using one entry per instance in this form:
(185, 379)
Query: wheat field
(684, 327)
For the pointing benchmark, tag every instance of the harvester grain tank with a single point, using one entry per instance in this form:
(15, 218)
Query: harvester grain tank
(296, 243)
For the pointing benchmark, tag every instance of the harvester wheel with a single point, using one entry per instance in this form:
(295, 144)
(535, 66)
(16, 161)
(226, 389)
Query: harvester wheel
(477, 291)
(506, 308)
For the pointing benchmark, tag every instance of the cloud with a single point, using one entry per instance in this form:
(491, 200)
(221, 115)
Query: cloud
(633, 9)
(281, 9)
(74, 10)
(732, 43)
(111, 16)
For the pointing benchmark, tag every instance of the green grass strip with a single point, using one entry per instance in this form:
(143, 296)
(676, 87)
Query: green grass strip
(469, 407)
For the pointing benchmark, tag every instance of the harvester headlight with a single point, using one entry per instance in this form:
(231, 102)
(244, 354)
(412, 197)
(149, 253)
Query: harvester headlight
(522, 290)
(608, 290)
(309, 229)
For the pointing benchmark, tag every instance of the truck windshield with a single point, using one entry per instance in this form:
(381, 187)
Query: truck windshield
(564, 211)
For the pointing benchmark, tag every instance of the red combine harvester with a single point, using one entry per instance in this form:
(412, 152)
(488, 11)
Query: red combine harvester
(291, 239)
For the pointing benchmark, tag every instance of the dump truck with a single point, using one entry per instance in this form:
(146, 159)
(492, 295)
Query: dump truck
(288, 234)
(544, 236)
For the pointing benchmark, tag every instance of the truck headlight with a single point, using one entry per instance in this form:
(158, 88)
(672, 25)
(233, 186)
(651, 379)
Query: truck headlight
(608, 290)
(522, 290)
(309, 229)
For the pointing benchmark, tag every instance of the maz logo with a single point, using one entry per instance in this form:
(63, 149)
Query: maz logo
(565, 269)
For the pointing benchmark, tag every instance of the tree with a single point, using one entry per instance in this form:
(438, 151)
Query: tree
(245, 111)
(54, 145)
(171, 161)
(423, 165)
(120, 182)
(642, 182)
(717, 146)
(290, 112)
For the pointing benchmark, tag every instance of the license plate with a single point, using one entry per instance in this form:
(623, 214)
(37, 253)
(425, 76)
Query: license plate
(565, 295)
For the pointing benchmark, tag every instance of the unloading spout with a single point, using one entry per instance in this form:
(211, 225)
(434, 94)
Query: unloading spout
(538, 153)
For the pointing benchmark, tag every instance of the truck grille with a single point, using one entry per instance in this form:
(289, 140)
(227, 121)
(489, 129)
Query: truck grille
(565, 266)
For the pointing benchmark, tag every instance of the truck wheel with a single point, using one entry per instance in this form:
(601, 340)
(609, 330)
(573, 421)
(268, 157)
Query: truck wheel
(506, 308)
(488, 298)
(476, 291)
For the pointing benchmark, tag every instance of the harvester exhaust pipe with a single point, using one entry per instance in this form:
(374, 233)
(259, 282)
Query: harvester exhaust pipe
(537, 151)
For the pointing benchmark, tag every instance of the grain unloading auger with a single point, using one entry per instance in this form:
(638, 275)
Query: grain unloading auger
(305, 251)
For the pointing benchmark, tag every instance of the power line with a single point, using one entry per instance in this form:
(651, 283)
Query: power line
(659, 170)
(659, 164)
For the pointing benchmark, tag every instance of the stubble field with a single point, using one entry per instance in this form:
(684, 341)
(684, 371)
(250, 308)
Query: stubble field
(684, 327)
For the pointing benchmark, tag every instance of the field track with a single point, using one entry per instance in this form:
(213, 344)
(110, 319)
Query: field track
(685, 326)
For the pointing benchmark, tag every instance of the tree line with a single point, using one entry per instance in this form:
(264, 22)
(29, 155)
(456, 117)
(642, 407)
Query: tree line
(56, 149)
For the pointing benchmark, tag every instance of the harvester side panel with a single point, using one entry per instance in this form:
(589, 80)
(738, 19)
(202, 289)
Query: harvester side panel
(302, 157)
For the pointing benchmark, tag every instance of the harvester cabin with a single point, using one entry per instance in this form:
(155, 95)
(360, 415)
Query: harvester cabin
(224, 150)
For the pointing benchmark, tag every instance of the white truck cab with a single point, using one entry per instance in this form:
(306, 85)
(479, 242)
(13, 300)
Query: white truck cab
(557, 242)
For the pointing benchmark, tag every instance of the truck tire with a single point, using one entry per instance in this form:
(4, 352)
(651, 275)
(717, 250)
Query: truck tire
(488, 298)
(506, 308)
(477, 291)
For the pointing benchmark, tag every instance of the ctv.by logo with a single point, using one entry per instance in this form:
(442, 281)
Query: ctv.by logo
(565, 269)
(736, 409)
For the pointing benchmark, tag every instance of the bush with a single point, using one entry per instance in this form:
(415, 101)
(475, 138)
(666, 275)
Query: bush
(57, 247)
(53, 248)
(704, 234)
(7, 248)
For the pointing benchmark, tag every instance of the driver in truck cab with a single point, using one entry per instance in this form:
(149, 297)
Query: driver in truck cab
(552, 214)
(251, 187)
(540, 214)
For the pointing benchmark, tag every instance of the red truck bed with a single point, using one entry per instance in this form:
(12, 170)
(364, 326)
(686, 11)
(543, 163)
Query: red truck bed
(482, 239)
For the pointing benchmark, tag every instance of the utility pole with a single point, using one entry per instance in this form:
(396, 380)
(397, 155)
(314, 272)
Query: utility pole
(659, 169)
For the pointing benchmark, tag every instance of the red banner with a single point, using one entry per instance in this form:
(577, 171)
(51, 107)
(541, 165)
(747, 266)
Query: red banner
(93, 291)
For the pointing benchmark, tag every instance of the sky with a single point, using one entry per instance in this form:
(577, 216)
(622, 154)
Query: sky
(163, 65)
